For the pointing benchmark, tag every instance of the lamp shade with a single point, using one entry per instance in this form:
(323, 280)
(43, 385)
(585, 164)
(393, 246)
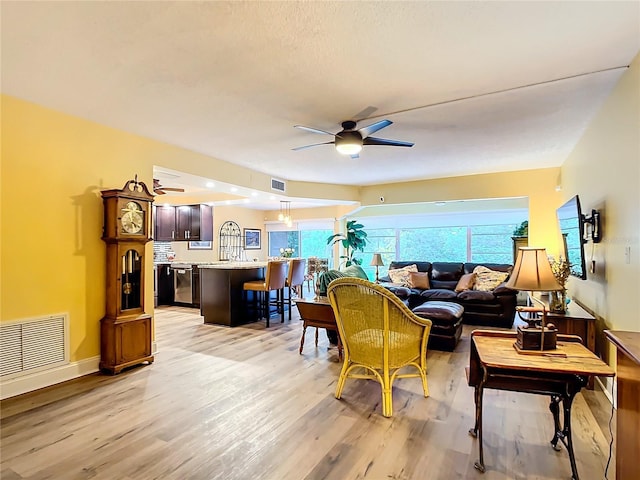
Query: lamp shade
(376, 261)
(532, 272)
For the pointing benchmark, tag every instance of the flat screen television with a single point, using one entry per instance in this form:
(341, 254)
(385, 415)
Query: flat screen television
(571, 225)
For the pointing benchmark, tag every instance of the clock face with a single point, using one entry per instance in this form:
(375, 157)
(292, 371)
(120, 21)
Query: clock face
(132, 218)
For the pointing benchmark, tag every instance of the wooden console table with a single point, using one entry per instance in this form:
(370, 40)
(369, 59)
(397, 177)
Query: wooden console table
(628, 413)
(574, 321)
(494, 363)
(317, 312)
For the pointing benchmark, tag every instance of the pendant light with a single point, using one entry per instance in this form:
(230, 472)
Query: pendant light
(285, 213)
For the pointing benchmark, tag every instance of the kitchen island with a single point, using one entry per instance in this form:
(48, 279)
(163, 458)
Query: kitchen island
(222, 300)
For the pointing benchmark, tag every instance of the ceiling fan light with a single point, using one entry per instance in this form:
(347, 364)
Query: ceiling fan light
(349, 148)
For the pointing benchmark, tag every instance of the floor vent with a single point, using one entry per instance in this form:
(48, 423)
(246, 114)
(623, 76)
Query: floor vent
(278, 185)
(31, 345)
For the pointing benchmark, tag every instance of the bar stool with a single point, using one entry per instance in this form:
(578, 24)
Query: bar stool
(275, 279)
(295, 279)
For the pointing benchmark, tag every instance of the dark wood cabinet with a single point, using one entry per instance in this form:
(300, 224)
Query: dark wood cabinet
(165, 218)
(184, 223)
(223, 300)
(165, 285)
(195, 286)
(199, 225)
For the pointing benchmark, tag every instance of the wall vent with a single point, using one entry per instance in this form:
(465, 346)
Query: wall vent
(35, 344)
(278, 185)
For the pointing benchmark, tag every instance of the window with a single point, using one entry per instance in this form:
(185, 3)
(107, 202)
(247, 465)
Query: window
(286, 239)
(313, 243)
(491, 243)
(479, 237)
(308, 239)
(447, 244)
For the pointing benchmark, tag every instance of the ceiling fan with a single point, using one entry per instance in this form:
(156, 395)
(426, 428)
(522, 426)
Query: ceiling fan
(350, 141)
(160, 190)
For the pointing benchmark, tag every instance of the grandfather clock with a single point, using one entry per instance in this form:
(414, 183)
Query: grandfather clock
(125, 331)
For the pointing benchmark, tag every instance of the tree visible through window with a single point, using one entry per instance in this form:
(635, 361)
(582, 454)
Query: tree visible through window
(478, 237)
(466, 243)
(305, 243)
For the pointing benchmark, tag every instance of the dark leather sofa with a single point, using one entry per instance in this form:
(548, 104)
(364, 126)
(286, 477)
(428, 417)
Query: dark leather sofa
(495, 308)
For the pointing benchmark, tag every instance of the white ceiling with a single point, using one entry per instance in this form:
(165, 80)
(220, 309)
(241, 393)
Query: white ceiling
(231, 79)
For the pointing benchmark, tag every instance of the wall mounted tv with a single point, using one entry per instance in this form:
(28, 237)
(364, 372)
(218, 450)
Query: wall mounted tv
(571, 225)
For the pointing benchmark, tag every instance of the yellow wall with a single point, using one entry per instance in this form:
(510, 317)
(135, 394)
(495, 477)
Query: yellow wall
(604, 170)
(53, 261)
(53, 169)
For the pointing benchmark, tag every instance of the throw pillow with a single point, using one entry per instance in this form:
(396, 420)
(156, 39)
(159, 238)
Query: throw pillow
(466, 282)
(419, 280)
(487, 279)
(401, 275)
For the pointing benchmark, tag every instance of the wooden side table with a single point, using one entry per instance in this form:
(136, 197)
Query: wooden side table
(317, 312)
(628, 412)
(494, 363)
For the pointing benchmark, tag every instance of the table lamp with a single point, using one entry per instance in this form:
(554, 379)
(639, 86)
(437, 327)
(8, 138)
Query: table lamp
(532, 272)
(377, 262)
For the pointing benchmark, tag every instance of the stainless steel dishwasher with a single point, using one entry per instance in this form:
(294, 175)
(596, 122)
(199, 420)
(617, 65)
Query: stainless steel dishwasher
(182, 276)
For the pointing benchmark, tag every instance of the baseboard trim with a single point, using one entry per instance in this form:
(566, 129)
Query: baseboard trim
(606, 391)
(45, 378)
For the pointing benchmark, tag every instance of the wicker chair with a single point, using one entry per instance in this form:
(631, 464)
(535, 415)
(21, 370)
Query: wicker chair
(380, 336)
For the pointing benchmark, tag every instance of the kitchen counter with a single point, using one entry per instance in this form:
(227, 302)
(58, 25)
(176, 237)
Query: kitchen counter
(222, 297)
(185, 262)
(234, 265)
(217, 264)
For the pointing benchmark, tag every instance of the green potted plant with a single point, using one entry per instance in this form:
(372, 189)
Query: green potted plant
(355, 239)
(522, 230)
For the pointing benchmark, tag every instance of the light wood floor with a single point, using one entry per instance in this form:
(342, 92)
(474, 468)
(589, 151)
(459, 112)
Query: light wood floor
(241, 403)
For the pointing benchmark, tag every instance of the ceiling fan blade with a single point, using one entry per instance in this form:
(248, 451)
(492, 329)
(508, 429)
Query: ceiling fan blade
(160, 190)
(374, 127)
(313, 145)
(384, 141)
(366, 113)
(313, 130)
